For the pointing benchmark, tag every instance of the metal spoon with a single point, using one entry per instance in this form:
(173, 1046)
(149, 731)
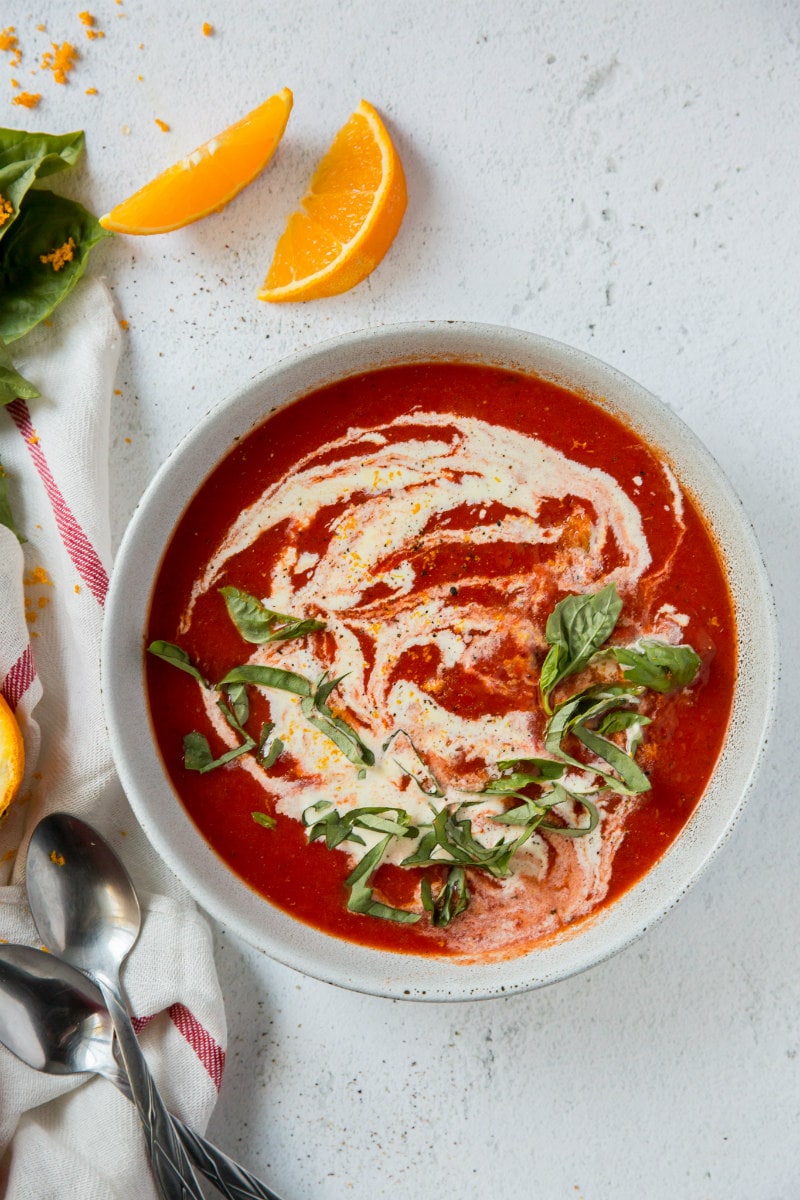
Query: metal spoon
(54, 1019)
(86, 911)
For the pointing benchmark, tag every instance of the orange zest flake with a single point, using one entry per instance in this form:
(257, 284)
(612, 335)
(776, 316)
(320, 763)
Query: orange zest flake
(123, 324)
(27, 99)
(60, 256)
(207, 29)
(77, 589)
(89, 22)
(91, 91)
(162, 125)
(9, 43)
(6, 210)
(15, 83)
(38, 575)
(60, 60)
(57, 858)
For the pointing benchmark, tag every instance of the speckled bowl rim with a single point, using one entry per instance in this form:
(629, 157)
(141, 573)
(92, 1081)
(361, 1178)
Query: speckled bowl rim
(162, 816)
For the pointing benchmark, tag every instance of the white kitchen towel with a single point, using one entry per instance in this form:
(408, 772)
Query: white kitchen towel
(76, 1136)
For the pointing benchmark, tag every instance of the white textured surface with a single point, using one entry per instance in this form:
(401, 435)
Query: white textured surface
(621, 177)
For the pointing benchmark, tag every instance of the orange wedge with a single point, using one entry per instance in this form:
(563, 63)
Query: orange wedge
(205, 180)
(12, 756)
(348, 219)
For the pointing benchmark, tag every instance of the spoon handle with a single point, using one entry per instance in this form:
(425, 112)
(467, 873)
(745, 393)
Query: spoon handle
(171, 1167)
(227, 1175)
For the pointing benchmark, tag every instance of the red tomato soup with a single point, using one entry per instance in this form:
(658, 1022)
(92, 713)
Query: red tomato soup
(443, 659)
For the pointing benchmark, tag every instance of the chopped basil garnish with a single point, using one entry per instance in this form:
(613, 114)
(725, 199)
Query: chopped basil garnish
(258, 624)
(422, 776)
(360, 899)
(316, 711)
(576, 631)
(323, 820)
(264, 819)
(271, 677)
(451, 900)
(268, 757)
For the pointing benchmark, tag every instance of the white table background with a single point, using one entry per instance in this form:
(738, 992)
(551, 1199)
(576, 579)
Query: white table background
(621, 176)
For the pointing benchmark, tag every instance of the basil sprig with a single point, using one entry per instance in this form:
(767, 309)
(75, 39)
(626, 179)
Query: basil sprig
(576, 629)
(258, 624)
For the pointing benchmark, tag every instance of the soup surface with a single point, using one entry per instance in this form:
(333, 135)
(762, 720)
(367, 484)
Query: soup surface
(442, 659)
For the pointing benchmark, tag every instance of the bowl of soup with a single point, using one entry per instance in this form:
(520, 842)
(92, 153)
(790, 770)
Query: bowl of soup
(430, 662)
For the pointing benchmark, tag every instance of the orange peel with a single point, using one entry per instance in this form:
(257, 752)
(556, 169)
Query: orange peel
(12, 756)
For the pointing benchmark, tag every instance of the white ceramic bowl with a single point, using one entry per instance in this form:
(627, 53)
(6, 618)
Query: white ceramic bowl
(163, 817)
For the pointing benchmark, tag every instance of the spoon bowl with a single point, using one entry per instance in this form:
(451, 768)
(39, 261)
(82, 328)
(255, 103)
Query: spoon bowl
(51, 1016)
(82, 898)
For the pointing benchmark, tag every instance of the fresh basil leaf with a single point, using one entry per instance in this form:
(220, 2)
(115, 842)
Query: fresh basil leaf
(264, 819)
(197, 754)
(360, 899)
(179, 658)
(631, 774)
(435, 789)
(323, 691)
(621, 720)
(658, 665)
(526, 813)
(6, 516)
(452, 899)
(574, 831)
(271, 677)
(26, 157)
(276, 748)
(545, 768)
(576, 629)
(346, 738)
(12, 384)
(258, 624)
(239, 706)
(630, 723)
(29, 288)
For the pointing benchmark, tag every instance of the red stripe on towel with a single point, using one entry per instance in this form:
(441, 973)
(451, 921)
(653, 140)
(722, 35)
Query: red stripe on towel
(209, 1051)
(19, 678)
(78, 546)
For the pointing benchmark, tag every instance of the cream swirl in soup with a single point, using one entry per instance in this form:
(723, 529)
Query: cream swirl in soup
(433, 546)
